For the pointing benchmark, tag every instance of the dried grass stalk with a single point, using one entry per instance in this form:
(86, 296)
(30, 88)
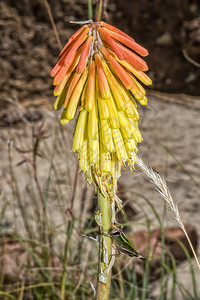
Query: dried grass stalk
(163, 191)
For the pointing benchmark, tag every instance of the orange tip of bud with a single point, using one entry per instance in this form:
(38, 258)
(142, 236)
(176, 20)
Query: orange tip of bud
(128, 42)
(134, 59)
(106, 25)
(60, 75)
(72, 39)
(57, 67)
(72, 52)
(120, 71)
(111, 42)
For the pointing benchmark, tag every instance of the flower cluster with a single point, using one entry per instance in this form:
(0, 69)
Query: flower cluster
(98, 71)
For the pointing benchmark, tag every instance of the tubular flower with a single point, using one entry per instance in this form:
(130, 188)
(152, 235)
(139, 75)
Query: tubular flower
(98, 72)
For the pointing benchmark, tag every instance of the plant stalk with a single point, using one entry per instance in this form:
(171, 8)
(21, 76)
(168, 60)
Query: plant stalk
(105, 248)
(100, 10)
(53, 24)
(89, 9)
(63, 279)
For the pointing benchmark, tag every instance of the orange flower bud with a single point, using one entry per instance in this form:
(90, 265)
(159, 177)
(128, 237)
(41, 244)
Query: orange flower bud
(72, 39)
(119, 70)
(111, 42)
(83, 59)
(103, 82)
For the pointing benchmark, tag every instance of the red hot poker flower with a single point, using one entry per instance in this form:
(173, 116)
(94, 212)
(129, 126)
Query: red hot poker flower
(99, 69)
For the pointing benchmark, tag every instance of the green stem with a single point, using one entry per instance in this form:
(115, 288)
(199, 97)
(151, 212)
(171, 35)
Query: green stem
(105, 249)
(89, 9)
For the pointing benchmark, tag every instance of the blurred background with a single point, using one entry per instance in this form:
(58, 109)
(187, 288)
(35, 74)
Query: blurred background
(46, 206)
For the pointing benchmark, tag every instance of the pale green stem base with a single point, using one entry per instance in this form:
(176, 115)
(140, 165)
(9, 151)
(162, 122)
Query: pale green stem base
(105, 249)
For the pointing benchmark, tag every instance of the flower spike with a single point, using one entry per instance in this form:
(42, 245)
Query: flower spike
(99, 70)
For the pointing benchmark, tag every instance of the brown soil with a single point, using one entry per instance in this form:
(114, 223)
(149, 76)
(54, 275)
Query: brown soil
(28, 48)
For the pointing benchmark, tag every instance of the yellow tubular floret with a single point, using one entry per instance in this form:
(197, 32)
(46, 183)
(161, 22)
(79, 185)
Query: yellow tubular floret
(127, 96)
(119, 145)
(93, 152)
(83, 161)
(60, 99)
(131, 111)
(105, 160)
(64, 120)
(143, 101)
(103, 109)
(138, 84)
(106, 136)
(132, 158)
(142, 76)
(93, 123)
(137, 94)
(114, 120)
(131, 145)
(132, 100)
(125, 125)
(80, 131)
(115, 167)
(59, 88)
(135, 130)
